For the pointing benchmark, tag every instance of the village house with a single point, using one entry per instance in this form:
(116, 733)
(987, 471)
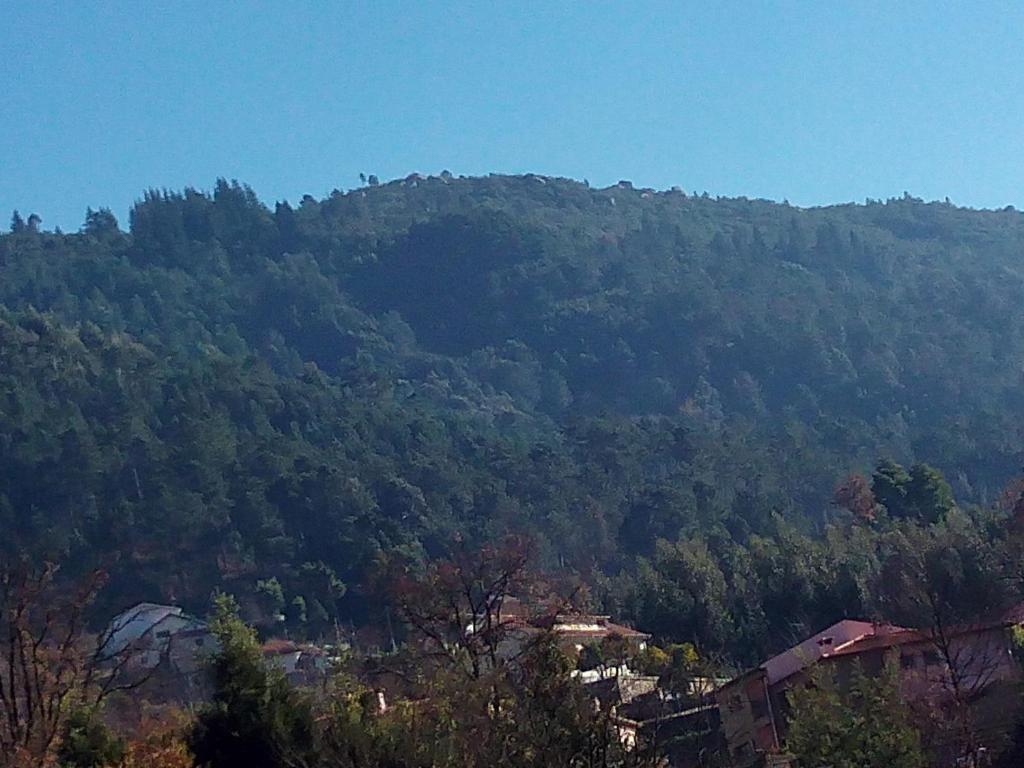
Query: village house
(573, 631)
(151, 634)
(302, 663)
(754, 706)
(164, 644)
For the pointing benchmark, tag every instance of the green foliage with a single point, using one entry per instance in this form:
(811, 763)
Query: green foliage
(947, 574)
(862, 725)
(271, 598)
(677, 666)
(255, 718)
(88, 743)
(928, 494)
(662, 389)
(889, 484)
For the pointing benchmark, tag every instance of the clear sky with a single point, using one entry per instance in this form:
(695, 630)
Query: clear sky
(815, 102)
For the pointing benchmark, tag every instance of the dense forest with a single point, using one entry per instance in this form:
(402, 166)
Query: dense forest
(662, 390)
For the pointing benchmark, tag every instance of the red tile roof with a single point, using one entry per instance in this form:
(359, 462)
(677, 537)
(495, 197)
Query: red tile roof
(879, 641)
(829, 642)
(277, 646)
(899, 636)
(850, 637)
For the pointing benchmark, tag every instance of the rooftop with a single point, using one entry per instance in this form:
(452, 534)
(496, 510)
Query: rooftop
(829, 642)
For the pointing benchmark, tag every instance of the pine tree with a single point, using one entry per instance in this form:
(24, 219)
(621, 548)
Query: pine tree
(256, 718)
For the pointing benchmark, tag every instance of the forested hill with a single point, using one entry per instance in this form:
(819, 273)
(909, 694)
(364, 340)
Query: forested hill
(229, 392)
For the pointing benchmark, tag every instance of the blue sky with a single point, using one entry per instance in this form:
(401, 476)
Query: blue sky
(815, 102)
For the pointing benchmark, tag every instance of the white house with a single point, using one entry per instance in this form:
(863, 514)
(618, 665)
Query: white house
(149, 633)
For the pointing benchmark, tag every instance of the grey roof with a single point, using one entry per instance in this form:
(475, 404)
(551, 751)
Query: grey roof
(150, 612)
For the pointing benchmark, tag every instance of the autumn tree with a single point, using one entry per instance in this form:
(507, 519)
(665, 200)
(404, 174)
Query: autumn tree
(499, 690)
(54, 674)
(159, 741)
(455, 608)
(854, 494)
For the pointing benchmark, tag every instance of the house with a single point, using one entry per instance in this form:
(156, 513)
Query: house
(689, 738)
(518, 624)
(621, 689)
(685, 729)
(572, 630)
(302, 664)
(162, 647)
(754, 705)
(576, 630)
(149, 635)
(979, 656)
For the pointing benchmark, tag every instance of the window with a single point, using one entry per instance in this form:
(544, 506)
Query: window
(932, 659)
(909, 660)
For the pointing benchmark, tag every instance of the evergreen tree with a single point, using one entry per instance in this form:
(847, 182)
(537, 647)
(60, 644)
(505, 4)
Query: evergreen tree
(255, 718)
(928, 494)
(889, 485)
(862, 725)
(101, 223)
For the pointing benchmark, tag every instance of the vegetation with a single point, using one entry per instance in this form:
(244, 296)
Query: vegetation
(663, 390)
(868, 727)
(255, 718)
(54, 675)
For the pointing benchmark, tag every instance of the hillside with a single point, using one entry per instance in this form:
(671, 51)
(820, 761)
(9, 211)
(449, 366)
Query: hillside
(228, 393)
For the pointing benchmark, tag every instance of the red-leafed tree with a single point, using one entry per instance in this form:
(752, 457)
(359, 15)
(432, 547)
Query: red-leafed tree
(51, 668)
(455, 608)
(854, 494)
(482, 702)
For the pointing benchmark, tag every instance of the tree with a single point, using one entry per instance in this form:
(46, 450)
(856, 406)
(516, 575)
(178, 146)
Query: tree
(551, 721)
(854, 495)
(159, 743)
(922, 494)
(863, 725)
(544, 719)
(455, 609)
(100, 223)
(255, 718)
(928, 494)
(678, 666)
(271, 601)
(88, 743)
(683, 586)
(942, 579)
(1012, 755)
(889, 487)
(54, 675)
(482, 702)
